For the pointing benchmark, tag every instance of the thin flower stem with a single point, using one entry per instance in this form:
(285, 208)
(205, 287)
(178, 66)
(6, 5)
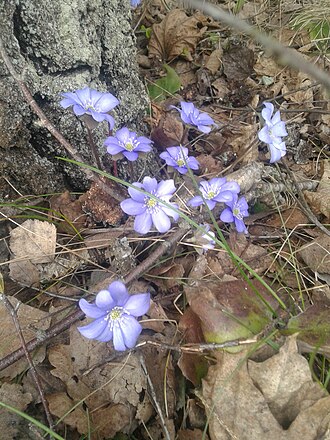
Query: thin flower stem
(12, 312)
(95, 153)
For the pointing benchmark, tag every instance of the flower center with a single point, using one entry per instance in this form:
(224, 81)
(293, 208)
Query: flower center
(90, 106)
(151, 203)
(116, 313)
(237, 213)
(129, 146)
(210, 195)
(180, 162)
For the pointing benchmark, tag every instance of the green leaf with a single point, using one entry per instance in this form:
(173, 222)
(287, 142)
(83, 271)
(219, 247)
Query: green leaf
(166, 86)
(147, 31)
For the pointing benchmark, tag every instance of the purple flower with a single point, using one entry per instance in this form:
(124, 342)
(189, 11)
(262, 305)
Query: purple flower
(192, 116)
(91, 102)
(114, 313)
(135, 3)
(147, 210)
(215, 190)
(177, 157)
(236, 210)
(127, 143)
(272, 132)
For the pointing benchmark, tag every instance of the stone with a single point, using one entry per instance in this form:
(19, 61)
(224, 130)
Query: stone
(58, 47)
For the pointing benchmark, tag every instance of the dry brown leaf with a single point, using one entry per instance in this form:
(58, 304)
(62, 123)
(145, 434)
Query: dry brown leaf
(101, 205)
(168, 132)
(213, 62)
(292, 218)
(316, 254)
(167, 276)
(238, 62)
(320, 200)
(177, 35)
(34, 240)
(267, 67)
(217, 264)
(61, 404)
(272, 399)
(243, 144)
(110, 386)
(31, 321)
(195, 434)
(285, 381)
(112, 419)
(71, 209)
(24, 272)
(208, 165)
(12, 426)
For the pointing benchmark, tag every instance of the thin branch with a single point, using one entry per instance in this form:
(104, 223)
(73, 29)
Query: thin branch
(75, 316)
(153, 397)
(34, 373)
(285, 55)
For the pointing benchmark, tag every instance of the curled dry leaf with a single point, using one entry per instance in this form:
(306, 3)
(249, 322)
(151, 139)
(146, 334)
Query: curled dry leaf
(262, 401)
(177, 35)
(31, 321)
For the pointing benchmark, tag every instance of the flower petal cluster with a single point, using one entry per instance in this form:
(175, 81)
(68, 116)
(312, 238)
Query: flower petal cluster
(149, 211)
(177, 157)
(114, 313)
(272, 132)
(127, 143)
(192, 116)
(203, 238)
(215, 190)
(135, 3)
(236, 210)
(91, 102)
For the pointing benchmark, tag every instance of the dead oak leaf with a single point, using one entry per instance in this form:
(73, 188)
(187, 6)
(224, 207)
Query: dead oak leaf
(83, 368)
(262, 401)
(177, 35)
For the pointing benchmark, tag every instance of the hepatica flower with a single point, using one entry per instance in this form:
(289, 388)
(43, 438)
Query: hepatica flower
(91, 102)
(114, 312)
(127, 143)
(215, 190)
(148, 211)
(177, 157)
(236, 210)
(272, 132)
(192, 116)
(135, 3)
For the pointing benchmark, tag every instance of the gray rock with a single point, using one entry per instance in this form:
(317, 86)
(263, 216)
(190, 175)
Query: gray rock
(61, 46)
